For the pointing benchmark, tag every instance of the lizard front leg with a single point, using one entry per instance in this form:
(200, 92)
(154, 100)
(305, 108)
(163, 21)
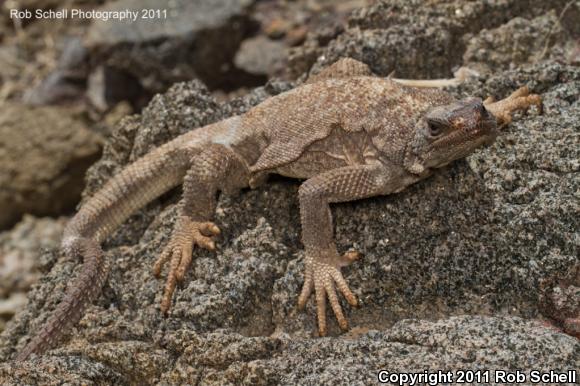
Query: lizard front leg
(216, 168)
(521, 99)
(323, 263)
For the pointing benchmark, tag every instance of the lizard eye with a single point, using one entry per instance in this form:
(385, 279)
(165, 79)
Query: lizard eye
(435, 127)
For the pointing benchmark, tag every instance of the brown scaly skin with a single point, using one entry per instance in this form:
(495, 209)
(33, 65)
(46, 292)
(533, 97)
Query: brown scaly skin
(348, 134)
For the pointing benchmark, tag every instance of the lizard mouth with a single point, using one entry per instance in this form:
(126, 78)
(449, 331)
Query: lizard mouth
(486, 127)
(483, 133)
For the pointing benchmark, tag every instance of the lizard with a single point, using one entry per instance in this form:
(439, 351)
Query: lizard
(347, 133)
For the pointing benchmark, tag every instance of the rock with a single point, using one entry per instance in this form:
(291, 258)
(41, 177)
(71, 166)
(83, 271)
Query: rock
(222, 357)
(300, 60)
(296, 36)
(20, 247)
(477, 238)
(417, 41)
(261, 56)
(277, 28)
(490, 238)
(517, 42)
(561, 301)
(56, 88)
(194, 39)
(10, 66)
(44, 154)
(67, 83)
(107, 87)
(120, 60)
(20, 265)
(10, 306)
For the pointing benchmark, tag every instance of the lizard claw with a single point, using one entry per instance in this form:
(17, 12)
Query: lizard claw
(350, 257)
(324, 278)
(186, 234)
(521, 99)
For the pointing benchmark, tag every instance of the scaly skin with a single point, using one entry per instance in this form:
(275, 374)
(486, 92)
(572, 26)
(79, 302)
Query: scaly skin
(348, 134)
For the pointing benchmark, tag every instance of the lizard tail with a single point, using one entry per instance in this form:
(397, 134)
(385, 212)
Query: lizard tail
(131, 189)
(85, 288)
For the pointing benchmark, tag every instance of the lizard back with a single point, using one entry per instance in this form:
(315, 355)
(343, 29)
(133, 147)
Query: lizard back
(294, 121)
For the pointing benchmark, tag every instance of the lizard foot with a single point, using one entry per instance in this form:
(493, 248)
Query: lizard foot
(186, 234)
(324, 276)
(521, 99)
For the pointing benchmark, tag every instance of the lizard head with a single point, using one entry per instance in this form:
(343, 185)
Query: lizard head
(449, 132)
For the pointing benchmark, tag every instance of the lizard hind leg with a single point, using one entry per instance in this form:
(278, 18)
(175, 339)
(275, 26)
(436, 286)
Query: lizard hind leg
(216, 168)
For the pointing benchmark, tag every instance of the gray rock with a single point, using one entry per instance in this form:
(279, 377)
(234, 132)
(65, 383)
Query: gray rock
(517, 42)
(456, 273)
(44, 154)
(67, 83)
(20, 266)
(222, 357)
(415, 40)
(196, 40)
(261, 56)
(56, 88)
(129, 60)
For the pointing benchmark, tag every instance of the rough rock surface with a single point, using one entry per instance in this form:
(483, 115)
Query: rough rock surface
(514, 43)
(44, 154)
(456, 271)
(223, 357)
(418, 40)
(29, 50)
(20, 266)
(117, 60)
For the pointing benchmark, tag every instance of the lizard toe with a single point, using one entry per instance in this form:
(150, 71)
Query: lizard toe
(209, 229)
(520, 99)
(205, 242)
(171, 281)
(186, 253)
(343, 287)
(320, 294)
(325, 279)
(336, 308)
(520, 92)
(307, 287)
(161, 260)
(350, 257)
